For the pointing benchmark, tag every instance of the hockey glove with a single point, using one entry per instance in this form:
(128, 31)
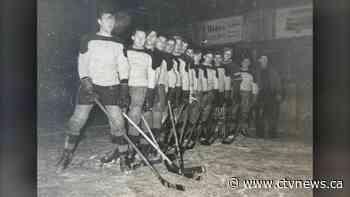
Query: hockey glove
(87, 86)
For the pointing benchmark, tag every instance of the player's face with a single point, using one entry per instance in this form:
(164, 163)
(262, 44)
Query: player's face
(263, 61)
(160, 43)
(178, 46)
(139, 38)
(208, 58)
(189, 52)
(151, 38)
(245, 63)
(197, 57)
(217, 59)
(184, 47)
(170, 45)
(107, 22)
(227, 55)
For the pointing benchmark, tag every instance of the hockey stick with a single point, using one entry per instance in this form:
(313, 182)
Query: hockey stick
(149, 130)
(187, 172)
(175, 135)
(146, 137)
(175, 117)
(182, 131)
(179, 152)
(155, 172)
(192, 131)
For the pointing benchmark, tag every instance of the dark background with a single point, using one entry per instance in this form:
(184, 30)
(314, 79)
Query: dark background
(19, 92)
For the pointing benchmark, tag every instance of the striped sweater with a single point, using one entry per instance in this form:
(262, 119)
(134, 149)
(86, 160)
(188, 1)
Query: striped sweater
(141, 72)
(102, 59)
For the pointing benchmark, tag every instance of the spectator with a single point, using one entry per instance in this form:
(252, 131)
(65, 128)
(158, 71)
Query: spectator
(269, 98)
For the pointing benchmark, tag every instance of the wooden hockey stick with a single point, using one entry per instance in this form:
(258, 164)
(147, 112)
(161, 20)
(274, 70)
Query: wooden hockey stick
(163, 181)
(187, 172)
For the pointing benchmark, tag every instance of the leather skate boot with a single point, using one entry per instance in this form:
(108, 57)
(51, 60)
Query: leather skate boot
(71, 142)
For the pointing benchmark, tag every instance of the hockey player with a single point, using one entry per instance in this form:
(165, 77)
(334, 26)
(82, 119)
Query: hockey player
(195, 99)
(178, 71)
(171, 68)
(153, 111)
(187, 57)
(248, 91)
(161, 83)
(231, 94)
(219, 92)
(209, 76)
(183, 68)
(141, 85)
(221, 78)
(186, 61)
(104, 72)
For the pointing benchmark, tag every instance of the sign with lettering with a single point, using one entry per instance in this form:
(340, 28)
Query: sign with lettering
(220, 31)
(294, 22)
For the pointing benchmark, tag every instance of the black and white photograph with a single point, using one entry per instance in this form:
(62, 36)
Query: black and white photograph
(175, 98)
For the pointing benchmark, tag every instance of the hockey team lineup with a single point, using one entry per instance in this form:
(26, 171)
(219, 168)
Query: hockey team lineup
(163, 96)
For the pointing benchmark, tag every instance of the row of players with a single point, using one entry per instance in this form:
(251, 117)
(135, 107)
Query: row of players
(141, 79)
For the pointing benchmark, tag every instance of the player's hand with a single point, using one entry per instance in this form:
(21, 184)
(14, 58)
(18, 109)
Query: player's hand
(86, 84)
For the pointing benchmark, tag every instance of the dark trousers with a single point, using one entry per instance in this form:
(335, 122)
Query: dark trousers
(267, 114)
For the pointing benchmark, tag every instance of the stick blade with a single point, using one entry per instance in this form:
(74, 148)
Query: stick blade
(172, 168)
(180, 187)
(170, 185)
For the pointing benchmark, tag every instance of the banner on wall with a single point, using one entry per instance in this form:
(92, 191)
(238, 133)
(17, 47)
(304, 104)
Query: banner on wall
(219, 31)
(294, 22)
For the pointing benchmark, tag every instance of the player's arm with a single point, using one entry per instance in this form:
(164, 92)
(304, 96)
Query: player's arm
(123, 72)
(84, 59)
(150, 94)
(123, 65)
(84, 68)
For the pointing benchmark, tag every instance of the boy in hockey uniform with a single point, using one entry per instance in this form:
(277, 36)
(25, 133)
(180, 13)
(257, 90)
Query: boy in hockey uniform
(221, 81)
(186, 56)
(232, 85)
(248, 94)
(172, 71)
(195, 98)
(153, 111)
(183, 99)
(141, 85)
(209, 78)
(104, 72)
(179, 64)
(160, 106)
